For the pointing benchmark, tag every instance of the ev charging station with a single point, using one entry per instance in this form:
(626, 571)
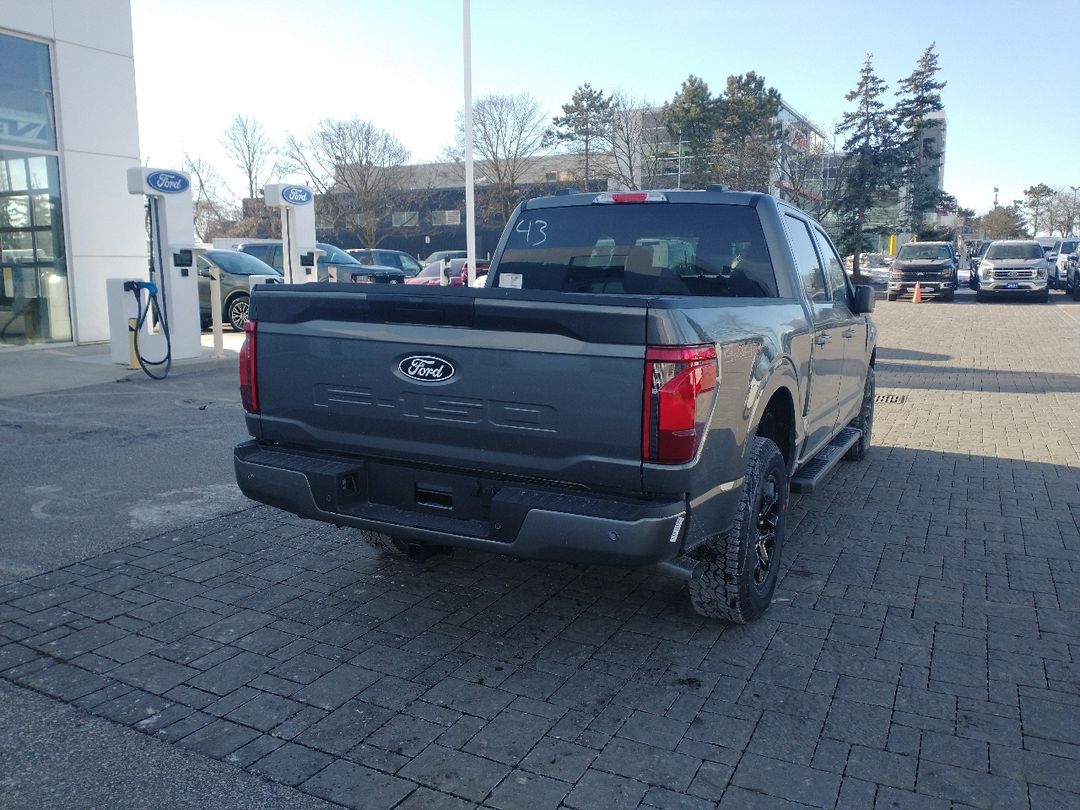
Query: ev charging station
(297, 204)
(171, 295)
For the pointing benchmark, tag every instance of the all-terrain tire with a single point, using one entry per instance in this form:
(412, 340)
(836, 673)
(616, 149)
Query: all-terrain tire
(890, 296)
(864, 421)
(735, 573)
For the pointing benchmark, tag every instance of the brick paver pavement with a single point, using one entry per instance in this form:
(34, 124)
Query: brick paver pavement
(923, 650)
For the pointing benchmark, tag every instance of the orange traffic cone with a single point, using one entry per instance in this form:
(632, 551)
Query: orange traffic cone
(917, 298)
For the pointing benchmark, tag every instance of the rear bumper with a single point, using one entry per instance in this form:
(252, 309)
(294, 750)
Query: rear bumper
(464, 510)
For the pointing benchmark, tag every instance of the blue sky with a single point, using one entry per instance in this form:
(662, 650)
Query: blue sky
(1013, 72)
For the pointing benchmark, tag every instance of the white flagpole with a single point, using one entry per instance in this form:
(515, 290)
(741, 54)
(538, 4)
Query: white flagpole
(470, 196)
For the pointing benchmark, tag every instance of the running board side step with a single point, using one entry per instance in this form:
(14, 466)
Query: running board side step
(813, 472)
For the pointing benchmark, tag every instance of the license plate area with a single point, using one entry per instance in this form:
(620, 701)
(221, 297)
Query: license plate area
(1012, 285)
(451, 495)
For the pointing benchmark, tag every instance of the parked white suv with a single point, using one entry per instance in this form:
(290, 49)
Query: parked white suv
(1059, 272)
(1013, 267)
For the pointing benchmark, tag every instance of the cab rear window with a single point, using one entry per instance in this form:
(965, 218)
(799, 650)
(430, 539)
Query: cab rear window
(639, 249)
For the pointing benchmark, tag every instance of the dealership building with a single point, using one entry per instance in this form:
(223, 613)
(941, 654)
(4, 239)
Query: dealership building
(68, 134)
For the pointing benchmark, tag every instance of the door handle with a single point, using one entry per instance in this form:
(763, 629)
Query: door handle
(849, 332)
(822, 338)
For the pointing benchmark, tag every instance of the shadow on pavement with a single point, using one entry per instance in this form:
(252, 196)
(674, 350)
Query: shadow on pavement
(957, 378)
(929, 606)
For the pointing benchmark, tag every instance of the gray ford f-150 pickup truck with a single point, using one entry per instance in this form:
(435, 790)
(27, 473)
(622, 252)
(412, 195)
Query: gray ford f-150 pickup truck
(644, 379)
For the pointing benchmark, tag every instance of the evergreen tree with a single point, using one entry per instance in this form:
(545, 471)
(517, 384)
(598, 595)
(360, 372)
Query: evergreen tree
(872, 166)
(586, 125)
(747, 133)
(919, 97)
(1037, 205)
(1003, 222)
(691, 120)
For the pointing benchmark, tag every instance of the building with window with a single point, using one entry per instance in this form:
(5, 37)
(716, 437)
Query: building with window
(68, 133)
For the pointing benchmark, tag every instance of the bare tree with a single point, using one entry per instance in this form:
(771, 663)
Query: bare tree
(214, 213)
(245, 142)
(508, 134)
(810, 172)
(356, 167)
(1063, 211)
(629, 136)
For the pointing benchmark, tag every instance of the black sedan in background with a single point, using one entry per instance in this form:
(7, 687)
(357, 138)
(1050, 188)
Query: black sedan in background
(387, 258)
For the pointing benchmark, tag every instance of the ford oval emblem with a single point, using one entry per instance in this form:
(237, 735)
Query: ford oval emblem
(297, 195)
(167, 182)
(426, 368)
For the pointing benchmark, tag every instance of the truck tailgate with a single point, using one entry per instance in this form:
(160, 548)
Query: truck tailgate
(507, 382)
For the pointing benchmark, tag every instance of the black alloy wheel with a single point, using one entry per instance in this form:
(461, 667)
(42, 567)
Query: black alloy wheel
(768, 521)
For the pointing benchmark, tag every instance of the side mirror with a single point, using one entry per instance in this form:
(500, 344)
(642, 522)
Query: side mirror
(864, 299)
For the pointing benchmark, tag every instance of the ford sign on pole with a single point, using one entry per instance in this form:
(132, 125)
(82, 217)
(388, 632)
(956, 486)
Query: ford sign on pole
(167, 182)
(296, 195)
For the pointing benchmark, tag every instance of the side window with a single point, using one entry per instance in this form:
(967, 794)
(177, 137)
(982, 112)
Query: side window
(834, 268)
(410, 265)
(202, 267)
(269, 253)
(806, 260)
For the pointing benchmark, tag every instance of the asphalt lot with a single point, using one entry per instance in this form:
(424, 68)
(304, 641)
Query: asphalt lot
(923, 650)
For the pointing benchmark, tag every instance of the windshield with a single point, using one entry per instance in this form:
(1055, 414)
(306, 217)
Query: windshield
(1022, 250)
(914, 250)
(335, 255)
(639, 248)
(240, 264)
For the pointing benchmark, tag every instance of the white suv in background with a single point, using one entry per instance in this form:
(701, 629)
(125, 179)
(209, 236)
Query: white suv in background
(1059, 272)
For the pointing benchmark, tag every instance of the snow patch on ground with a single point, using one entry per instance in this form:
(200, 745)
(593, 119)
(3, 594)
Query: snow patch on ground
(180, 506)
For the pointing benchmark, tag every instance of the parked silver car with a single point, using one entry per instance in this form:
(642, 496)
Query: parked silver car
(236, 271)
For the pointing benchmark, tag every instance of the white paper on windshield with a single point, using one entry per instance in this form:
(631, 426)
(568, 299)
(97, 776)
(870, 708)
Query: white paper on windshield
(511, 280)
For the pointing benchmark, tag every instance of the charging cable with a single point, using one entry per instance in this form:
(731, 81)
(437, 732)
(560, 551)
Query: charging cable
(152, 307)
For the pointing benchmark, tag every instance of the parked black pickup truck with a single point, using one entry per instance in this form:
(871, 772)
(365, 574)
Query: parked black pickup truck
(931, 265)
(644, 379)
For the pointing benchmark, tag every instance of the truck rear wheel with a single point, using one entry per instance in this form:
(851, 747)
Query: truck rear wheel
(735, 573)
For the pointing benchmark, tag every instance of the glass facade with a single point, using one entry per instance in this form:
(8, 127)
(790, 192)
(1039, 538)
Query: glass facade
(33, 269)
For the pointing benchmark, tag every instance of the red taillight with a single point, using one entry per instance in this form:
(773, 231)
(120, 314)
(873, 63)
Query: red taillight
(249, 386)
(679, 381)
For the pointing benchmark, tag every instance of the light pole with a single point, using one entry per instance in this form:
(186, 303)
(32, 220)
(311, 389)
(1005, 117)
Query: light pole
(470, 191)
(995, 196)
